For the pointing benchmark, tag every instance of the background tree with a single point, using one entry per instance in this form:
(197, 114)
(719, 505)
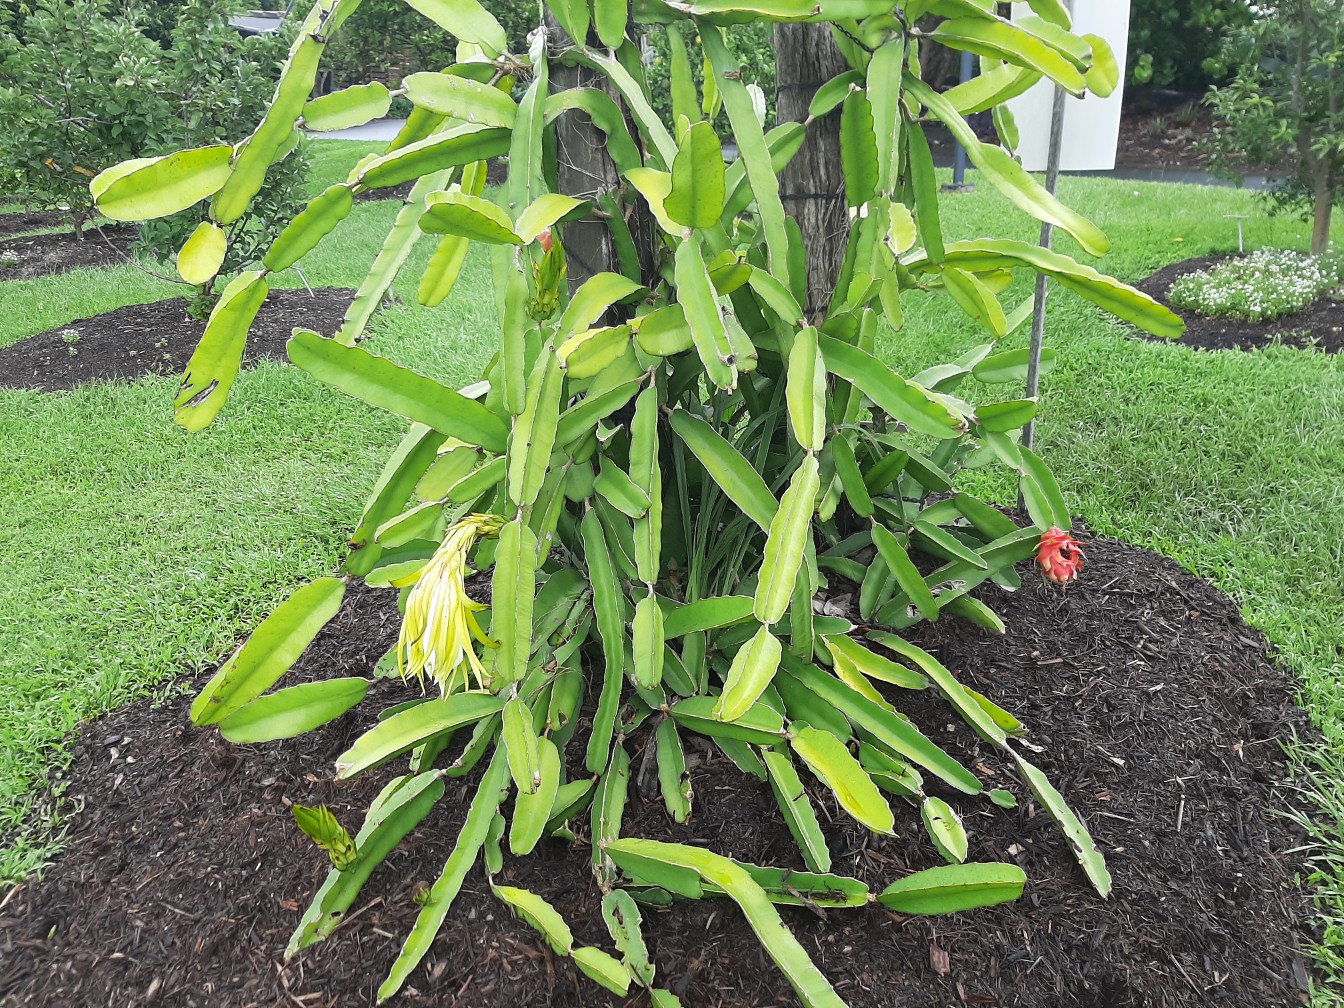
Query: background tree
(80, 89)
(1285, 106)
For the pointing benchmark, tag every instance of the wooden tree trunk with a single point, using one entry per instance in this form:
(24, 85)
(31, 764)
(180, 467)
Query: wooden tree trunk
(813, 184)
(1324, 208)
(586, 171)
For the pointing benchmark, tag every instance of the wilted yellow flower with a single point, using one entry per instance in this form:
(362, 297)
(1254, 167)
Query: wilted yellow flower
(440, 622)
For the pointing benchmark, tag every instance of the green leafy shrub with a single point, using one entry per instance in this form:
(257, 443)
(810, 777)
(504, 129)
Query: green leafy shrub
(221, 83)
(1283, 107)
(84, 89)
(1176, 44)
(88, 87)
(1264, 285)
(668, 469)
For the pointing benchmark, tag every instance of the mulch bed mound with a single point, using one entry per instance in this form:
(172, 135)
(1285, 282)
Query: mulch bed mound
(1319, 326)
(59, 252)
(1161, 719)
(31, 220)
(157, 338)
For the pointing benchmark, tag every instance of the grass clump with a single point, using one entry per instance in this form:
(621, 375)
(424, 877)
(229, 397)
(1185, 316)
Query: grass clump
(1262, 286)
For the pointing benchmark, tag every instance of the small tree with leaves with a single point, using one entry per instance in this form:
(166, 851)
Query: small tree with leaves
(666, 464)
(1285, 106)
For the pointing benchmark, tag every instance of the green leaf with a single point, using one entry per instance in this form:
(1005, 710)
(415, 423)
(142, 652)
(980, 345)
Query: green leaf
(270, 651)
(161, 186)
(753, 667)
(466, 20)
(697, 195)
(541, 915)
(351, 106)
(470, 217)
(449, 149)
(532, 809)
(954, 888)
(458, 97)
(398, 809)
(1084, 849)
(513, 589)
(685, 101)
(893, 731)
(381, 383)
(608, 607)
(759, 724)
(403, 732)
(600, 966)
(998, 39)
(624, 923)
(1006, 416)
(293, 711)
(609, 21)
(1007, 176)
(875, 666)
(905, 572)
(213, 367)
(697, 298)
(1121, 300)
(829, 758)
(736, 881)
(1010, 367)
(731, 472)
(591, 301)
(858, 149)
(788, 537)
(946, 683)
(441, 895)
(544, 211)
(202, 254)
(756, 152)
(301, 235)
(945, 829)
(975, 298)
(805, 391)
(799, 815)
(1103, 77)
(706, 614)
(902, 400)
(534, 430)
(990, 88)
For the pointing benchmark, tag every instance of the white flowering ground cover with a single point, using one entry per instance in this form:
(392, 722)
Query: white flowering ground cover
(1264, 285)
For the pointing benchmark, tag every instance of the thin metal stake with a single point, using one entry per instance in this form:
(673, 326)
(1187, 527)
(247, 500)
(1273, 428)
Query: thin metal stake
(1047, 240)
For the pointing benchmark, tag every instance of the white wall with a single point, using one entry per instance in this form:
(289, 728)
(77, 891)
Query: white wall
(1091, 124)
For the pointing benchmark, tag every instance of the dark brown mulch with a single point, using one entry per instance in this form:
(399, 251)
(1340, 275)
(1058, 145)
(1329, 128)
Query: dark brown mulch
(1161, 719)
(1319, 326)
(31, 220)
(60, 251)
(157, 338)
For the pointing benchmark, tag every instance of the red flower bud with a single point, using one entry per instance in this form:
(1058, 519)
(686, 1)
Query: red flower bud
(544, 240)
(1060, 557)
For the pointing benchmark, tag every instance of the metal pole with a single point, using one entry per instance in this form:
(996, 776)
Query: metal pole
(1047, 239)
(959, 164)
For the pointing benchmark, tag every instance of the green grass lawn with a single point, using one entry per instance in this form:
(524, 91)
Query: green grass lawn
(137, 550)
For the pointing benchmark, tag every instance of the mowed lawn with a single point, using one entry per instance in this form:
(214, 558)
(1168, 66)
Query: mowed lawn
(136, 551)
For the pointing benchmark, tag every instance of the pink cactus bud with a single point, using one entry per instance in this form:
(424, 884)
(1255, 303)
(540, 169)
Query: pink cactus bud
(1059, 557)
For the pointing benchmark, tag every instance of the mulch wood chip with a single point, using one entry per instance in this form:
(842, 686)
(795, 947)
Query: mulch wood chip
(1160, 717)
